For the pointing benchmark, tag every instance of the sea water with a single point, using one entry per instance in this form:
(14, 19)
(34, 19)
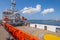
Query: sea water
(49, 22)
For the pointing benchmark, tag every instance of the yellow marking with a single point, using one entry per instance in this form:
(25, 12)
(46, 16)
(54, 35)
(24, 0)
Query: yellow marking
(51, 37)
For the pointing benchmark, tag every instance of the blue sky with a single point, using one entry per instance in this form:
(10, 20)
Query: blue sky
(45, 4)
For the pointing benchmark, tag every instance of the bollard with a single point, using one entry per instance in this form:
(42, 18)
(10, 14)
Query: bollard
(45, 27)
(35, 26)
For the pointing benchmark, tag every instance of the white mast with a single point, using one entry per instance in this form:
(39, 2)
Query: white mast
(13, 3)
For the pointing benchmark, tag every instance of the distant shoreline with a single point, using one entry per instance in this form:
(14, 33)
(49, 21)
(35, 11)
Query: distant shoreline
(47, 22)
(50, 20)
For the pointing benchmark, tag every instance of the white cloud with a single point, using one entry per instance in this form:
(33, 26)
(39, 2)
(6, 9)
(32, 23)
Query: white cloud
(31, 10)
(46, 11)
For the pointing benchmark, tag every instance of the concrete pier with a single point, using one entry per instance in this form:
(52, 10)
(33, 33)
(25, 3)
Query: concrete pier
(31, 30)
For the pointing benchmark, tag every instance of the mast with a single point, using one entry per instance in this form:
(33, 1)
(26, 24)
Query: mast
(13, 4)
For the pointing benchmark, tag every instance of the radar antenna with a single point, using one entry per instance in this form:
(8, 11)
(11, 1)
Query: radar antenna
(13, 3)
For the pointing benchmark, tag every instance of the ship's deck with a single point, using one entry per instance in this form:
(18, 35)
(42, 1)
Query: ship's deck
(33, 31)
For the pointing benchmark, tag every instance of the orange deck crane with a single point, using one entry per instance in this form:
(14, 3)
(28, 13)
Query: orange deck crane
(18, 34)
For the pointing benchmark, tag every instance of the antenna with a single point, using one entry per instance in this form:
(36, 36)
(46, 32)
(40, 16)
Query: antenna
(13, 3)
